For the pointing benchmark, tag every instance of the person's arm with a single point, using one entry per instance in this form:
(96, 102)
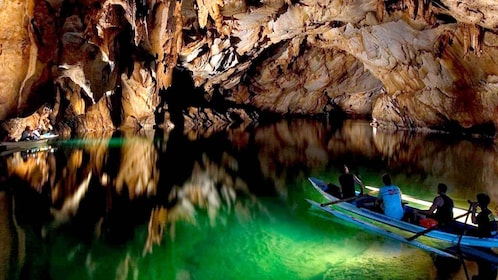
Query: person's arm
(378, 201)
(359, 182)
(473, 211)
(438, 202)
(36, 134)
(401, 199)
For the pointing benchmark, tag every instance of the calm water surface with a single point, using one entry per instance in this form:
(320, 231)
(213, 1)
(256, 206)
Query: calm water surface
(164, 205)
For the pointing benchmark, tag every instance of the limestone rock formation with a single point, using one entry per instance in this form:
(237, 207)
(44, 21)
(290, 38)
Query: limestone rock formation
(411, 64)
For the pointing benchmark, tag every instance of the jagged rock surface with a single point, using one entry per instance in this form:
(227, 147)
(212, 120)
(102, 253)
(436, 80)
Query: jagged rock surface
(109, 64)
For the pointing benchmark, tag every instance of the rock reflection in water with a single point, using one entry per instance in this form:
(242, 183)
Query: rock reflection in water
(106, 188)
(32, 168)
(213, 188)
(469, 166)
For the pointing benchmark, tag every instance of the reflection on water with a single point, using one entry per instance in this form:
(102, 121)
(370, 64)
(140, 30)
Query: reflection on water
(231, 205)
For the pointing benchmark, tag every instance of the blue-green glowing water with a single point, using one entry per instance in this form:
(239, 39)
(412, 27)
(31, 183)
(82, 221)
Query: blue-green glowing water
(278, 241)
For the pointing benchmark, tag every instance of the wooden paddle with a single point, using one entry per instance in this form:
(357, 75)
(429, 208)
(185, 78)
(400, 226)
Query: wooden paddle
(347, 199)
(340, 200)
(471, 204)
(420, 233)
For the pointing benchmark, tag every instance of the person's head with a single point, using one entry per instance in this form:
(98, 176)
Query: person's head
(483, 200)
(346, 169)
(386, 179)
(442, 188)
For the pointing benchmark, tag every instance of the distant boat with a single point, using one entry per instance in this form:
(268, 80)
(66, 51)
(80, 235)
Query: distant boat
(8, 147)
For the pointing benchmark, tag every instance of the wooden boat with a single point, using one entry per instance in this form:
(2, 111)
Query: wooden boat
(9, 147)
(450, 237)
(23, 144)
(375, 229)
(474, 253)
(28, 151)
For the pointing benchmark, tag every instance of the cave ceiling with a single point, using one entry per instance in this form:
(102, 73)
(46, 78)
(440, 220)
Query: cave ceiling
(99, 65)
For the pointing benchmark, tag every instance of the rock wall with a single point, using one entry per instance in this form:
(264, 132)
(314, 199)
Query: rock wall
(410, 64)
(15, 54)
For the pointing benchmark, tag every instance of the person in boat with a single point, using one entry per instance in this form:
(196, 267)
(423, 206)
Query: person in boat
(389, 199)
(26, 133)
(441, 209)
(348, 181)
(333, 190)
(486, 227)
(30, 134)
(485, 220)
(35, 134)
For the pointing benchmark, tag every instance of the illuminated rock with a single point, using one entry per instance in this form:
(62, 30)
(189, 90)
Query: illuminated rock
(408, 64)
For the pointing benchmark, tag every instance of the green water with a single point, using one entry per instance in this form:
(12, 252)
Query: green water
(234, 202)
(280, 241)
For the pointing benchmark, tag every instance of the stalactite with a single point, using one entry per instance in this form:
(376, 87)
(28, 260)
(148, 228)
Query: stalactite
(166, 39)
(428, 12)
(420, 9)
(465, 37)
(475, 39)
(212, 9)
(381, 7)
(425, 10)
(471, 37)
(412, 6)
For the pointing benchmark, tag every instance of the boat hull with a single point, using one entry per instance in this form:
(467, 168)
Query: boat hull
(7, 148)
(375, 229)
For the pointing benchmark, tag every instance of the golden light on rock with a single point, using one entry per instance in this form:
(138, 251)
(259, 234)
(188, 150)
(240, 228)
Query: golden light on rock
(290, 58)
